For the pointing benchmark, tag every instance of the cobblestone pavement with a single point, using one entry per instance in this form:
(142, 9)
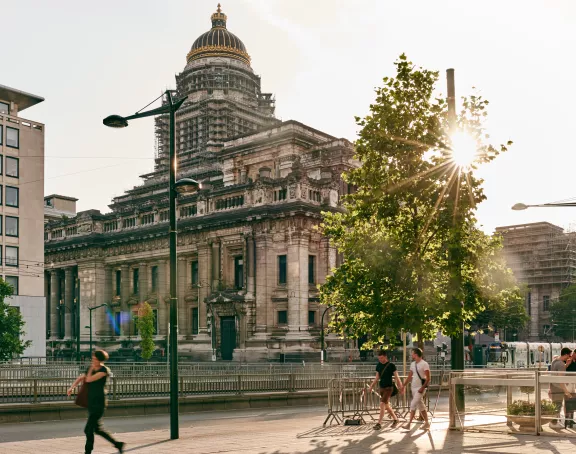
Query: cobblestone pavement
(296, 432)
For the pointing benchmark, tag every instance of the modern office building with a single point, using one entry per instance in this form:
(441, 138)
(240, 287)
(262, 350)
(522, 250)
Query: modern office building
(22, 212)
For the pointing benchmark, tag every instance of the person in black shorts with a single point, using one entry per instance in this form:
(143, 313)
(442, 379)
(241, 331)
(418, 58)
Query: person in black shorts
(95, 378)
(386, 373)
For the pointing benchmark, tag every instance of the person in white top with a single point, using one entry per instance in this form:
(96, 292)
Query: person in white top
(420, 376)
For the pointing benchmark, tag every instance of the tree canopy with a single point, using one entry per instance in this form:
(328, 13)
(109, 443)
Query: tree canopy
(397, 230)
(11, 327)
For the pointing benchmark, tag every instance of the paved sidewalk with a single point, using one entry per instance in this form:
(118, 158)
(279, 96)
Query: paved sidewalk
(301, 433)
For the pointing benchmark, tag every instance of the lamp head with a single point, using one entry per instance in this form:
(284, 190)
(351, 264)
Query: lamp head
(115, 121)
(520, 207)
(187, 186)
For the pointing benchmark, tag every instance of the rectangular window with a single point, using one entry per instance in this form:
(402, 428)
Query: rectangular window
(135, 323)
(311, 269)
(12, 167)
(4, 108)
(155, 312)
(0, 224)
(135, 281)
(282, 317)
(311, 317)
(12, 196)
(238, 273)
(1, 157)
(117, 323)
(194, 320)
(11, 256)
(13, 281)
(194, 272)
(12, 227)
(118, 282)
(546, 303)
(154, 271)
(282, 269)
(12, 137)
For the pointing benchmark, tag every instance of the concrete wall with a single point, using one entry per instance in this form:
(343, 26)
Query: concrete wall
(54, 411)
(33, 310)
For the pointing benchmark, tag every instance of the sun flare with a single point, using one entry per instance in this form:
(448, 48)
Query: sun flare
(464, 151)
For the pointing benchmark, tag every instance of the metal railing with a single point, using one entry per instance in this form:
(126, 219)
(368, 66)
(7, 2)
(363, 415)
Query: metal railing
(72, 370)
(198, 382)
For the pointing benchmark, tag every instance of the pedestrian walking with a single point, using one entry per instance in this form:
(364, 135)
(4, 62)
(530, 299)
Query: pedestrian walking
(95, 378)
(386, 373)
(420, 376)
(558, 391)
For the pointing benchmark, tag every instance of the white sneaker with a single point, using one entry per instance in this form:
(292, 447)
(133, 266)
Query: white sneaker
(556, 426)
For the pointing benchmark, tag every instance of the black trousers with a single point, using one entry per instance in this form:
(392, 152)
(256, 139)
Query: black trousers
(94, 426)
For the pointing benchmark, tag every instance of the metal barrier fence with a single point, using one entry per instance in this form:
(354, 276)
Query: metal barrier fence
(514, 401)
(350, 399)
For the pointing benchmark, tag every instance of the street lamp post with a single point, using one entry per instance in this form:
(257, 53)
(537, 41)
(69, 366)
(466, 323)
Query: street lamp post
(92, 309)
(322, 353)
(185, 185)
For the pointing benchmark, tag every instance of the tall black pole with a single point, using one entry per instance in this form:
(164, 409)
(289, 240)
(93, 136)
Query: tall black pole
(455, 254)
(174, 430)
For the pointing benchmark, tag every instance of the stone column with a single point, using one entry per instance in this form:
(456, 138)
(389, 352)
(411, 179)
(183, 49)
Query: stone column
(68, 301)
(182, 312)
(323, 260)
(304, 286)
(109, 275)
(250, 266)
(264, 320)
(216, 265)
(92, 282)
(143, 284)
(54, 294)
(163, 307)
(293, 284)
(204, 264)
(125, 315)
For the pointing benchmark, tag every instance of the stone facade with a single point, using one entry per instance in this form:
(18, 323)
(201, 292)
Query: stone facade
(249, 255)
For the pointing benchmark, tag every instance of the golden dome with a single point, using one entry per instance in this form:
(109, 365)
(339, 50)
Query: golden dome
(218, 42)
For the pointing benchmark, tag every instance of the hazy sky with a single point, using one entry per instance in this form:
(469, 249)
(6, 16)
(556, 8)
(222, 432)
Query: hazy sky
(321, 58)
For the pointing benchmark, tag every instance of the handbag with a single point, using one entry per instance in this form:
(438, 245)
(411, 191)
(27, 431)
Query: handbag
(82, 396)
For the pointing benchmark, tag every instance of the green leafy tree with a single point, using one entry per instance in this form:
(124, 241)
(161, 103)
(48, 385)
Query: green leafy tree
(397, 232)
(146, 329)
(11, 327)
(563, 313)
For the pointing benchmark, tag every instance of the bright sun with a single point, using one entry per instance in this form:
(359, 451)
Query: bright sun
(464, 150)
